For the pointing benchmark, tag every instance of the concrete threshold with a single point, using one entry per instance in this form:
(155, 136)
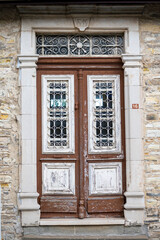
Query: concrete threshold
(101, 229)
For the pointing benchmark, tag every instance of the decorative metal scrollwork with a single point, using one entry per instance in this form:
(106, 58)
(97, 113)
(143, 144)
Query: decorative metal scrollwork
(80, 45)
(107, 45)
(104, 114)
(58, 114)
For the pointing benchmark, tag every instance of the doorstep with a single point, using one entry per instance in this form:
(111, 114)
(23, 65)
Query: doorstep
(87, 229)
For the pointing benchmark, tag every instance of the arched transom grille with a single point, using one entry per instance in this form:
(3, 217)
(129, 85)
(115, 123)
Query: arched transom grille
(79, 45)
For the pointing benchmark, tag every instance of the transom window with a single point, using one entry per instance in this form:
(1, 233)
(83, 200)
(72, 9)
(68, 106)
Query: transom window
(79, 45)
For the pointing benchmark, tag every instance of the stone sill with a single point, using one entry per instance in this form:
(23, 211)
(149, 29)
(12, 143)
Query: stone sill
(82, 222)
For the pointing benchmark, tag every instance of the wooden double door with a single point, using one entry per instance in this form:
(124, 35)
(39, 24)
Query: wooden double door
(80, 137)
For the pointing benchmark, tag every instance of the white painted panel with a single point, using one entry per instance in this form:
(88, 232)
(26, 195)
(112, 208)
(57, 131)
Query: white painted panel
(105, 178)
(58, 178)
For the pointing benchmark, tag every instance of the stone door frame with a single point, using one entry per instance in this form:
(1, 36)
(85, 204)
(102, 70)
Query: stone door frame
(27, 196)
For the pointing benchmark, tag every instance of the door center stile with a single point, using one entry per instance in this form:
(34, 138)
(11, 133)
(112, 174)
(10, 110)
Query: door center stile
(81, 144)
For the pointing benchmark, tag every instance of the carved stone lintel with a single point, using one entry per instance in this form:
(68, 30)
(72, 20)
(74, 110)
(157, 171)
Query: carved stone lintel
(81, 23)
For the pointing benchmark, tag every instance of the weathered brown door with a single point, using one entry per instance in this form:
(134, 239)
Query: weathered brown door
(80, 147)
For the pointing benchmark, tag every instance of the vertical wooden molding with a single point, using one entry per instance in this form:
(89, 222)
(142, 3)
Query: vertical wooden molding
(81, 157)
(81, 209)
(80, 74)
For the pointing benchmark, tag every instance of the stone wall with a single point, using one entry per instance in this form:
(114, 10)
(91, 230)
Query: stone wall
(9, 124)
(150, 48)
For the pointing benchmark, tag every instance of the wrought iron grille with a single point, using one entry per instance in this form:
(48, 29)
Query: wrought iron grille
(80, 45)
(104, 114)
(58, 114)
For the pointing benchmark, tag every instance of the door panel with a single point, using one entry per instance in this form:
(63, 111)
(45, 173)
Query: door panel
(103, 155)
(105, 178)
(108, 205)
(80, 148)
(58, 178)
(58, 205)
(57, 148)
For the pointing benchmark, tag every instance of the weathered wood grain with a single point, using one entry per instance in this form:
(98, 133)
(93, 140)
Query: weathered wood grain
(111, 204)
(58, 205)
